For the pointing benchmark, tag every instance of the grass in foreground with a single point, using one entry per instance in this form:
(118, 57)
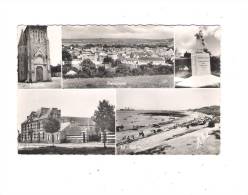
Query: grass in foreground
(146, 81)
(64, 150)
(55, 83)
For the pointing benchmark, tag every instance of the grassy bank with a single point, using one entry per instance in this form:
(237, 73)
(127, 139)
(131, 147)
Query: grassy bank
(146, 81)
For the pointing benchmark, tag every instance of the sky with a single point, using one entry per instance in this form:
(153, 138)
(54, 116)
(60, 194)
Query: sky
(185, 39)
(78, 103)
(168, 99)
(55, 43)
(120, 31)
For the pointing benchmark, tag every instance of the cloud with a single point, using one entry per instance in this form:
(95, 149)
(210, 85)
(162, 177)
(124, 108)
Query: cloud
(185, 40)
(117, 31)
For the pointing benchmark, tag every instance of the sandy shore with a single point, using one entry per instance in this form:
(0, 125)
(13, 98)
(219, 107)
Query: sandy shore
(174, 140)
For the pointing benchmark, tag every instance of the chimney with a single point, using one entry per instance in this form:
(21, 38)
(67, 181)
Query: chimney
(44, 110)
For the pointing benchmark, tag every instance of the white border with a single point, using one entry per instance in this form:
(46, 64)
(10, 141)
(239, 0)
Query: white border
(223, 174)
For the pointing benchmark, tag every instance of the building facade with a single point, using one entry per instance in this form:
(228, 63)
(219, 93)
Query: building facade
(72, 129)
(32, 129)
(34, 55)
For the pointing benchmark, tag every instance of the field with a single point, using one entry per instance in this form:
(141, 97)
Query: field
(158, 81)
(55, 83)
(166, 132)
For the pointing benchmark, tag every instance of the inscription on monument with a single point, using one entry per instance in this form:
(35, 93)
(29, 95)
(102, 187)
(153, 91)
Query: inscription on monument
(200, 64)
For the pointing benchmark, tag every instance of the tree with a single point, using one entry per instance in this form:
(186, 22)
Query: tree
(66, 56)
(51, 126)
(215, 64)
(116, 62)
(87, 62)
(122, 70)
(101, 71)
(104, 116)
(108, 60)
(88, 67)
(211, 124)
(187, 55)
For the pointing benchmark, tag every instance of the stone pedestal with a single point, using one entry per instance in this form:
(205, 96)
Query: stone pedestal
(200, 64)
(208, 81)
(201, 73)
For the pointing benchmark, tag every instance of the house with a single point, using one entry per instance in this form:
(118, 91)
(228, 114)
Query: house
(152, 60)
(71, 73)
(32, 129)
(76, 64)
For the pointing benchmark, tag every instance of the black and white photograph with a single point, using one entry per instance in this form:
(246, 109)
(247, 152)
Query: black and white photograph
(66, 122)
(197, 56)
(39, 56)
(123, 97)
(118, 56)
(168, 121)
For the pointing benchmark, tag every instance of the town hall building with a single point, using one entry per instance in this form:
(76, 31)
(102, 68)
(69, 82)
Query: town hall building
(34, 55)
(32, 129)
(72, 129)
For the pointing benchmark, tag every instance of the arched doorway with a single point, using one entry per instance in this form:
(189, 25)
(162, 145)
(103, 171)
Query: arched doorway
(39, 73)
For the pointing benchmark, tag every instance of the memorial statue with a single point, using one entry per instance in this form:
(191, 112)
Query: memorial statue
(200, 42)
(200, 66)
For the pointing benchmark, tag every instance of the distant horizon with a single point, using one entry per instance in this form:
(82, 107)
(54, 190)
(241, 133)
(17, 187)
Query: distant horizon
(118, 31)
(118, 38)
(167, 99)
(131, 109)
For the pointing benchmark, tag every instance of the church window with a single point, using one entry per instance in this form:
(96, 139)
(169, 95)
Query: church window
(39, 36)
(36, 35)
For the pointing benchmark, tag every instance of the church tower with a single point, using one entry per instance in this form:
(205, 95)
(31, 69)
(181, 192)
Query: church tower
(34, 55)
